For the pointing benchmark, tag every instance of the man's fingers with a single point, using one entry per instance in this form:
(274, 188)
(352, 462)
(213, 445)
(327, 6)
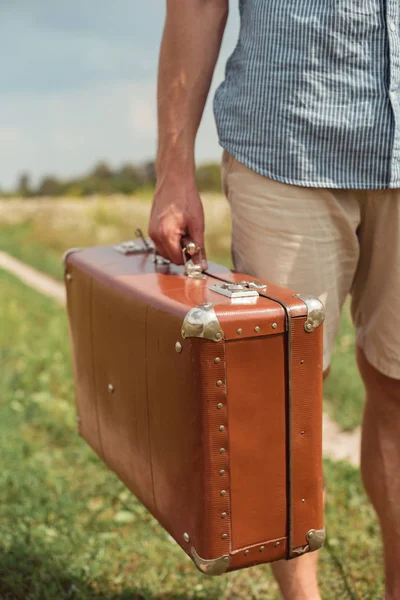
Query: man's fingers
(173, 248)
(169, 227)
(168, 246)
(160, 250)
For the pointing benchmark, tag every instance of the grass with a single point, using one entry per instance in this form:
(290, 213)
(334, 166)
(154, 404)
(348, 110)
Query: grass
(343, 389)
(69, 528)
(18, 241)
(39, 231)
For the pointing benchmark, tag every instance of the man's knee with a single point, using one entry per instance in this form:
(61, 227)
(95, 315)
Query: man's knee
(376, 383)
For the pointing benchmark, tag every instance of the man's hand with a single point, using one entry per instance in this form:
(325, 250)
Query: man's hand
(177, 212)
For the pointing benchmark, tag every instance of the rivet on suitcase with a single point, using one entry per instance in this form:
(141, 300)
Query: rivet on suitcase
(204, 394)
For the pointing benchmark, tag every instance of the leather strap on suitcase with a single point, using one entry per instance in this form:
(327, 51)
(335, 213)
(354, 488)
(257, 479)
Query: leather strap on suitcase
(288, 410)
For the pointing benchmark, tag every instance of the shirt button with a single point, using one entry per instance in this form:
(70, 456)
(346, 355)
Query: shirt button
(392, 26)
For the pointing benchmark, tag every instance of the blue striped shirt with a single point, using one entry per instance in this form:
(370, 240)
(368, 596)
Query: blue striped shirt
(311, 92)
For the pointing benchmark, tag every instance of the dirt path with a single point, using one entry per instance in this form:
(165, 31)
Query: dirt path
(35, 279)
(338, 445)
(341, 445)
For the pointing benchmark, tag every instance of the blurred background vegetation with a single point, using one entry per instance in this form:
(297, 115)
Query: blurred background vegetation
(128, 179)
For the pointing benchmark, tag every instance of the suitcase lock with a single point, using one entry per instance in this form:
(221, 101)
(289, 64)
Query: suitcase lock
(243, 289)
(144, 246)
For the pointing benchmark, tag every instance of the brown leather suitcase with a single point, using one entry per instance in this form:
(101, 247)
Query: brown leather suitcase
(204, 395)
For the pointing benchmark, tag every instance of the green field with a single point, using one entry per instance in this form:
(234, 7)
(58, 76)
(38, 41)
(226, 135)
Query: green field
(68, 527)
(39, 231)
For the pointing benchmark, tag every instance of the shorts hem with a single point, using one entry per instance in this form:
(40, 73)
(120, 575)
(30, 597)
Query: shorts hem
(326, 363)
(391, 371)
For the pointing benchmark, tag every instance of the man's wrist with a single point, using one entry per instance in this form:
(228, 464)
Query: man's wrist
(173, 169)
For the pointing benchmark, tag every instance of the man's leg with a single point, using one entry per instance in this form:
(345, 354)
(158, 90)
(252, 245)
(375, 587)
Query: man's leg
(297, 578)
(304, 239)
(380, 463)
(375, 294)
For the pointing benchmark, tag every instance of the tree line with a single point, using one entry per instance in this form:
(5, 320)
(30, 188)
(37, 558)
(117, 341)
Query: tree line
(102, 179)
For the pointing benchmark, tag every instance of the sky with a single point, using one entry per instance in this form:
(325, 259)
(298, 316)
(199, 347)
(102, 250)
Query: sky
(78, 85)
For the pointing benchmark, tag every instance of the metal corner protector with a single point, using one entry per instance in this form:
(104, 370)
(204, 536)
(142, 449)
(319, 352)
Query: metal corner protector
(202, 322)
(217, 566)
(316, 539)
(315, 311)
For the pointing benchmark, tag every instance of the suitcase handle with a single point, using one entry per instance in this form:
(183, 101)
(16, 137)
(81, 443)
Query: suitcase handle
(189, 249)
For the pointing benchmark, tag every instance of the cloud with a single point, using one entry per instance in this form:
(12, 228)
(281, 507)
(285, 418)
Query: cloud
(66, 133)
(78, 84)
(144, 119)
(62, 61)
(123, 19)
(10, 135)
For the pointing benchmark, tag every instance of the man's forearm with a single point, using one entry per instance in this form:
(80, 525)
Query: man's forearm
(191, 42)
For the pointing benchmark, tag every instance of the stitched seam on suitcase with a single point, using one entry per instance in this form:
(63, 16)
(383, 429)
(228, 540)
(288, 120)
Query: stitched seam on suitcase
(93, 366)
(229, 455)
(148, 410)
(288, 360)
(216, 487)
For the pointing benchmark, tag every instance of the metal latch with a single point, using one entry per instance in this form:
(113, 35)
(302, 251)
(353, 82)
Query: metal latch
(144, 246)
(192, 269)
(243, 289)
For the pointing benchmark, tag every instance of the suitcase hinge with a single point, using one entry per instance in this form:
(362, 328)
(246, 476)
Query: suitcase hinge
(217, 566)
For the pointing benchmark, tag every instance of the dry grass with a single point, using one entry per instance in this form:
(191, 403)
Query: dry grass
(63, 223)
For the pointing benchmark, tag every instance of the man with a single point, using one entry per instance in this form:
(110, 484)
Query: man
(309, 117)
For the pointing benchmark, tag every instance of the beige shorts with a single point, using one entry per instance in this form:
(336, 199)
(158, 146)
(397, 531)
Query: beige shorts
(325, 242)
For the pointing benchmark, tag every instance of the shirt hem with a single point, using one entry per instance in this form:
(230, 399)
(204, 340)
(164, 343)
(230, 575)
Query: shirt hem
(307, 182)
